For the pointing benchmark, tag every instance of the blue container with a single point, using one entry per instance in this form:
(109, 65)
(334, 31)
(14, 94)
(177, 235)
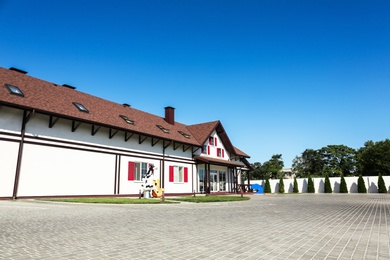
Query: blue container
(257, 188)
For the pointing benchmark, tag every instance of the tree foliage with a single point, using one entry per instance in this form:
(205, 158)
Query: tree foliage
(295, 188)
(343, 185)
(333, 160)
(381, 184)
(328, 187)
(374, 158)
(267, 185)
(281, 185)
(310, 185)
(271, 168)
(361, 185)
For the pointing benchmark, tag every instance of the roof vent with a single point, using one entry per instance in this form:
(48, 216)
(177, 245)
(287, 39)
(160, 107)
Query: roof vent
(170, 115)
(68, 86)
(18, 70)
(125, 105)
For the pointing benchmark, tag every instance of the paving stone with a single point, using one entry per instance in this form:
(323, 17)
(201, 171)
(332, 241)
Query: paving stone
(288, 226)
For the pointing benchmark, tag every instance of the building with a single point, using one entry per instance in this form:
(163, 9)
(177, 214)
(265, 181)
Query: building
(57, 141)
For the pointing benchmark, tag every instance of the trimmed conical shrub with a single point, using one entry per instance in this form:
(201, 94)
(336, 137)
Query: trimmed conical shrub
(281, 185)
(267, 188)
(381, 184)
(328, 187)
(343, 185)
(295, 188)
(361, 185)
(310, 185)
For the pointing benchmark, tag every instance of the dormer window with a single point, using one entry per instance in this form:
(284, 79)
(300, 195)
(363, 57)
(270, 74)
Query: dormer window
(184, 134)
(80, 107)
(14, 90)
(127, 120)
(163, 129)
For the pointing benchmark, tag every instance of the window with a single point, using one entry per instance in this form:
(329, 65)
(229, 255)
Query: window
(184, 134)
(163, 129)
(14, 90)
(80, 107)
(220, 152)
(201, 180)
(137, 170)
(127, 120)
(222, 180)
(204, 149)
(178, 174)
(211, 140)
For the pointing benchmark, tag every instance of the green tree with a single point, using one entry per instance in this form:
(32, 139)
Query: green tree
(256, 173)
(374, 158)
(381, 184)
(267, 186)
(343, 185)
(310, 185)
(273, 166)
(361, 185)
(338, 159)
(328, 187)
(309, 161)
(295, 188)
(281, 185)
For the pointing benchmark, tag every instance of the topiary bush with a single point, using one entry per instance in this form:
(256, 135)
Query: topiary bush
(281, 185)
(310, 185)
(295, 188)
(381, 184)
(343, 185)
(267, 188)
(361, 185)
(328, 187)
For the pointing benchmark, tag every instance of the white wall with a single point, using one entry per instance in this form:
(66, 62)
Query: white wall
(55, 171)
(371, 183)
(8, 158)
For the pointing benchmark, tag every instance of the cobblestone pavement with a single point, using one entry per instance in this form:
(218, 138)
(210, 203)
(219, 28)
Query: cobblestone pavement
(289, 226)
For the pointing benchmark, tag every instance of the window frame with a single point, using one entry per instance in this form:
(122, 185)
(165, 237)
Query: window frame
(80, 107)
(14, 90)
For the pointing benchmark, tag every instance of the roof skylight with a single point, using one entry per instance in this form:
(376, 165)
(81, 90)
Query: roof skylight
(163, 129)
(184, 134)
(127, 120)
(80, 107)
(14, 90)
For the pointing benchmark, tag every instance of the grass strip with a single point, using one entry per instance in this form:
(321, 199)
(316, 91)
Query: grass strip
(202, 199)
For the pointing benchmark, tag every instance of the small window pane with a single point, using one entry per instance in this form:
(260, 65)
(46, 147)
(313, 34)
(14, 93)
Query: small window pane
(80, 107)
(14, 90)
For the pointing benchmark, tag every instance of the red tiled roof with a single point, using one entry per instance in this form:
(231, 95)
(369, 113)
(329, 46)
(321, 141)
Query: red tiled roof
(52, 99)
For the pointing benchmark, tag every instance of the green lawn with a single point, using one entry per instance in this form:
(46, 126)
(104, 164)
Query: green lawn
(200, 199)
(109, 200)
(197, 199)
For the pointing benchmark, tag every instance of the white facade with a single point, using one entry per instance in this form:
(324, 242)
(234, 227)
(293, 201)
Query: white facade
(56, 161)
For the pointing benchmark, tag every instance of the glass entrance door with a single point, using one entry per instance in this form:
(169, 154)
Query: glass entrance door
(222, 180)
(213, 180)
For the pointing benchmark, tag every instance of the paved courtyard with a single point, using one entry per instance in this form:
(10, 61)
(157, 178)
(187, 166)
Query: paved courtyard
(290, 226)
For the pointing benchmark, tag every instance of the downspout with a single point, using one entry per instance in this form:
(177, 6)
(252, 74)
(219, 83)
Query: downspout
(208, 179)
(26, 117)
(162, 183)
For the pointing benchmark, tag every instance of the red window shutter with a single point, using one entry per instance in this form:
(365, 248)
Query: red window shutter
(130, 176)
(210, 140)
(215, 141)
(171, 173)
(208, 150)
(185, 174)
(223, 153)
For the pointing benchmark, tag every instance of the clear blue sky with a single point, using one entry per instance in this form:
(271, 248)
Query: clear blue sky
(281, 75)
